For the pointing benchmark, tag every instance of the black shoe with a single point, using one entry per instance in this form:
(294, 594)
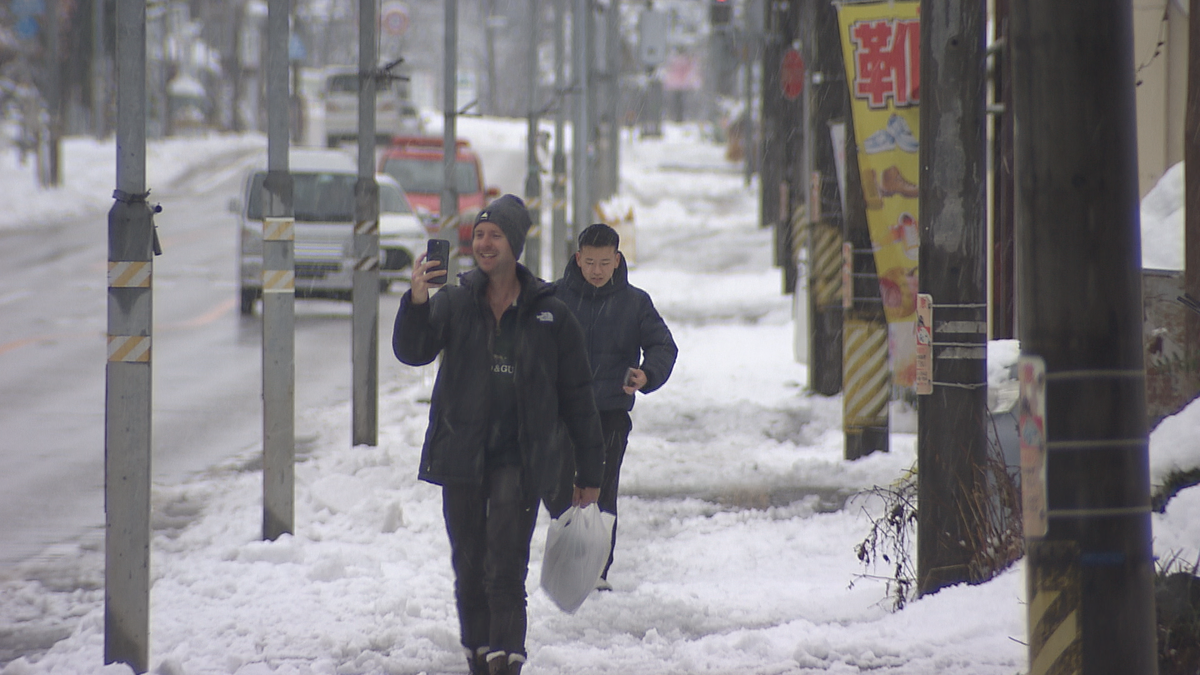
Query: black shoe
(500, 663)
(477, 661)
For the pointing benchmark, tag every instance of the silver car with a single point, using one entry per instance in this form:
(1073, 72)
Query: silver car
(323, 205)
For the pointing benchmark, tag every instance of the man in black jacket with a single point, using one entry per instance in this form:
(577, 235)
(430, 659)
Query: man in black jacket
(513, 378)
(629, 347)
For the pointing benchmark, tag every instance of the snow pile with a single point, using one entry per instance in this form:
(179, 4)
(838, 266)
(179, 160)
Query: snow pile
(1163, 211)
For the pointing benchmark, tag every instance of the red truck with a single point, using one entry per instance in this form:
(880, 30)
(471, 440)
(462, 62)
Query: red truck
(416, 163)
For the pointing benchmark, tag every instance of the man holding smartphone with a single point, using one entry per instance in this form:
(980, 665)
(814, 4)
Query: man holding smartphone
(513, 372)
(629, 347)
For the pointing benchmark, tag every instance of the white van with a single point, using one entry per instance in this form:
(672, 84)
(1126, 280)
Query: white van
(395, 114)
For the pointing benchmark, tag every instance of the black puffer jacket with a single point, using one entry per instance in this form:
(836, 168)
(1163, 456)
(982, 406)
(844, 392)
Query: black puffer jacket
(554, 395)
(623, 331)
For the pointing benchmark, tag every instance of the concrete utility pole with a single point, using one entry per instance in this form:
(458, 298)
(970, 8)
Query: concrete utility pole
(951, 421)
(612, 61)
(774, 125)
(365, 295)
(127, 446)
(793, 183)
(866, 376)
(581, 148)
(449, 206)
(1191, 177)
(1004, 264)
(279, 292)
(559, 249)
(99, 73)
(533, 174)
(828, 94)
(1090, 576)
(53, 98)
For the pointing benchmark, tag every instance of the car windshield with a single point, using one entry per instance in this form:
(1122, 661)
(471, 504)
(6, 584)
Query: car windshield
(425, 175)
(317, 197)
(392, 200)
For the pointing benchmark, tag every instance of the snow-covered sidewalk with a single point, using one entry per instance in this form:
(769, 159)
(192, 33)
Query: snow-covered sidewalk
(738, 525)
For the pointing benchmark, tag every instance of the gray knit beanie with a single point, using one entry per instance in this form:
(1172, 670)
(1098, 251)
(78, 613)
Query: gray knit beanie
(511, 216)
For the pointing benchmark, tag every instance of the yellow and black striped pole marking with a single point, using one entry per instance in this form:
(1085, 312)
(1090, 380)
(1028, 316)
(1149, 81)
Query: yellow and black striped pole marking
(125, 274)
(865, 377)
(278, 281)
(279, 229)
(1055, 594)
(129, 274)
(129, 348)
(827, 265)
(368, 255)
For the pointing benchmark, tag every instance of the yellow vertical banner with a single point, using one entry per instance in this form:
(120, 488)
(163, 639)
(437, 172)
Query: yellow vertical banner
(881, 44)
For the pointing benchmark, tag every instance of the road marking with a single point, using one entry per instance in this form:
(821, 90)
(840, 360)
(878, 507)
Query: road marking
(211, 315)
(14, 296)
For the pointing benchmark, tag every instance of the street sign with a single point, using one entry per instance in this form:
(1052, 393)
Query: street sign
(652, 38)
(27, 27)
(791, 74)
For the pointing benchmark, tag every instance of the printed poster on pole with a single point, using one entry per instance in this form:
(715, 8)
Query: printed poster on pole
(881, 45)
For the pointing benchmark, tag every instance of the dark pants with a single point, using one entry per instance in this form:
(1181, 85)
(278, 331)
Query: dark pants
(616, 426)
(490, 527)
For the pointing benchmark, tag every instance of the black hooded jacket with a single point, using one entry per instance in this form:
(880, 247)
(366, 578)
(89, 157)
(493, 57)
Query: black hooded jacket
(553, 386)
(623, 331)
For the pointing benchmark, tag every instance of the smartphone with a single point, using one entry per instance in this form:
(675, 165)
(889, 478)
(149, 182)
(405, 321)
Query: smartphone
(438, 250)
(629, 377)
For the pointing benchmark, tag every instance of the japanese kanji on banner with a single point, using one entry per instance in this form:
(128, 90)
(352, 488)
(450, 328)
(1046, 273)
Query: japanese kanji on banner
(881, 43)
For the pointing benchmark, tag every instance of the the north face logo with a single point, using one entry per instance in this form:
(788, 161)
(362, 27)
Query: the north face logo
(545, 317)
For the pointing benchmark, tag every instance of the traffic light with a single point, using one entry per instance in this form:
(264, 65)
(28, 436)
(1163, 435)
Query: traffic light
(720, 13)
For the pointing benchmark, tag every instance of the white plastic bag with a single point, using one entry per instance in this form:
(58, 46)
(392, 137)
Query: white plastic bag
(577, 547)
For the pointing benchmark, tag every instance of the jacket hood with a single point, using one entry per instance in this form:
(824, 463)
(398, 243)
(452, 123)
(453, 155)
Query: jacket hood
(575, 281)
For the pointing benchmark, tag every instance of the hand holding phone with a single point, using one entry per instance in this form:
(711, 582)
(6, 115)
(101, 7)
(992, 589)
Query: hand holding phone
(438, 251)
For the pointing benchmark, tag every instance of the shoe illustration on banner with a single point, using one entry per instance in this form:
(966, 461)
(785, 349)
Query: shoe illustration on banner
(897, 134)
(880, 141)
(894, 183)
(898, 127)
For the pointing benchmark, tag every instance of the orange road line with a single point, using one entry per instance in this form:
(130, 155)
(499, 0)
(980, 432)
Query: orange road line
(208, 317)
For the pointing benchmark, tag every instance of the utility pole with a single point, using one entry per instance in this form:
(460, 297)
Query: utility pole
(449, 205)
(1089, 564)
(99, 72)
(793, 185)
(866, 375)
(951, 420)
(581, 160)
(1191, 177)
(127, 428)
(533, 173)
(774, 125)
(279, 292)
(365, 294)
(827, 92)
(1004, 264)
(53, 98)
(612, 59)
(558, 227)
